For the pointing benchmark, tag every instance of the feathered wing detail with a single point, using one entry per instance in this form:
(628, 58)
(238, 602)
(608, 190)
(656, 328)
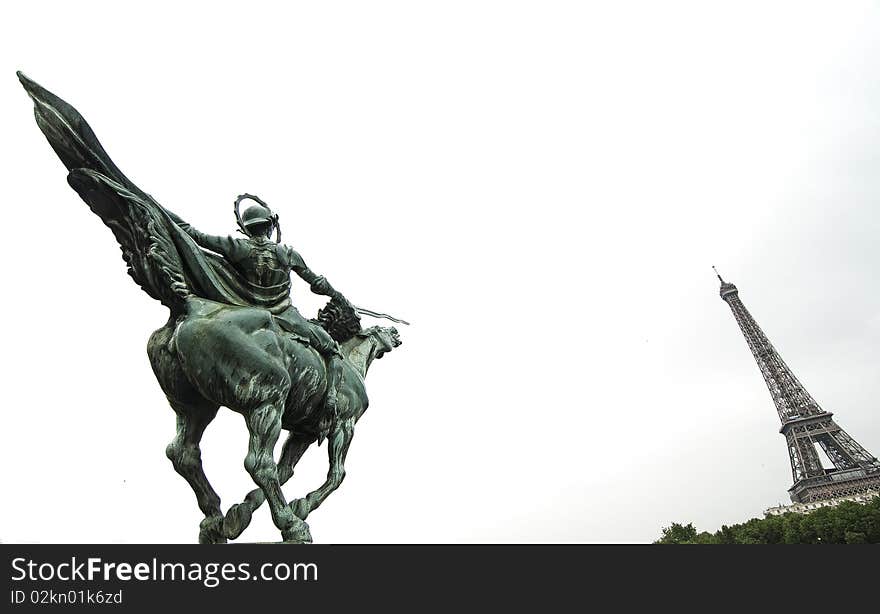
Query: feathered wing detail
(138, 222)
(143, 233)
(161, 257)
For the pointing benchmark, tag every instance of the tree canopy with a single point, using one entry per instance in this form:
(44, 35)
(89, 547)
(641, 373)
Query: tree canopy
(845, 523)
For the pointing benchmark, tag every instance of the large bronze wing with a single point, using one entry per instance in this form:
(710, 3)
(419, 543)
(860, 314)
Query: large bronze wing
(149, 240)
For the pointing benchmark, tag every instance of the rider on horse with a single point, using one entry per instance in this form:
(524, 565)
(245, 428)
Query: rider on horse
(266, 265)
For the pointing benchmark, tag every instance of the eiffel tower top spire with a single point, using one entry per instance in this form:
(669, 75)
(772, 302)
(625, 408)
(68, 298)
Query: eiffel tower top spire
(805, 423)
(727, 289)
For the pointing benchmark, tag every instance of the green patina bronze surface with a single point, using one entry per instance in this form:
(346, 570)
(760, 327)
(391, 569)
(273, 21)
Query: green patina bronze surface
(233, 338)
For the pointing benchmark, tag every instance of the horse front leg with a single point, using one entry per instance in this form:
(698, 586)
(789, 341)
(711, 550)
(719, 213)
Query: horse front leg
(264, 426)
(186, 456)
(239, 515)
(337, 449)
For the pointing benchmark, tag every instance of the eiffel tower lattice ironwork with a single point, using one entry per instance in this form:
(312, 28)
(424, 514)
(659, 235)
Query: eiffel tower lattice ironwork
(805, 424)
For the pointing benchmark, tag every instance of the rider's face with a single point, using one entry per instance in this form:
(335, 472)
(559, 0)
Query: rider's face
(263, 229)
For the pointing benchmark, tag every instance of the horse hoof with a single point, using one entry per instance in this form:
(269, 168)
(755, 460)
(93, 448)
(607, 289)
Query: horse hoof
(210, 531)
(298, 534)
(237, 520)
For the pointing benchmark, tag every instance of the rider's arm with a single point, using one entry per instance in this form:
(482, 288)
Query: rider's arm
(221, 245)
(318, 283)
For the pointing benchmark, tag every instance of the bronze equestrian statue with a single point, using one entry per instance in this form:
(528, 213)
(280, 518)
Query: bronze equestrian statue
(233, 337)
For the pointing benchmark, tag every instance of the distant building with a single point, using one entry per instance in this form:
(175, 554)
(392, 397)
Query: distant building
(803, 508)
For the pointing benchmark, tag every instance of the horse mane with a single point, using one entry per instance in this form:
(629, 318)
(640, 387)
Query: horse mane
(339, 319)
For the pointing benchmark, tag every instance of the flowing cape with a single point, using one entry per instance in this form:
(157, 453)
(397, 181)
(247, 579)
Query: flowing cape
(163, 259)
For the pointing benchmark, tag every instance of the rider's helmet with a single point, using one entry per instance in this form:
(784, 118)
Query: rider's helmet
(256, 214)
(257, 219)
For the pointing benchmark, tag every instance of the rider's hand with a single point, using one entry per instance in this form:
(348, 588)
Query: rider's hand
(320, 286)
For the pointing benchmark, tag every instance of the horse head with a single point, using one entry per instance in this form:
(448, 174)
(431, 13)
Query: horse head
(370, 344)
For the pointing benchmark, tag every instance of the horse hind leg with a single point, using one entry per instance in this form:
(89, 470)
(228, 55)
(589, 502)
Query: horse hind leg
(264, 426)
(239, 515)
(186, 456)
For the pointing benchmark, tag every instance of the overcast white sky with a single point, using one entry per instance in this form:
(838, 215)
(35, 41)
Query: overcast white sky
(540, 187)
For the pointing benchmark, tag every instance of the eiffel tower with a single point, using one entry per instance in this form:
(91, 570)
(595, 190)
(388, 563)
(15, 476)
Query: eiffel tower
(805, 424)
